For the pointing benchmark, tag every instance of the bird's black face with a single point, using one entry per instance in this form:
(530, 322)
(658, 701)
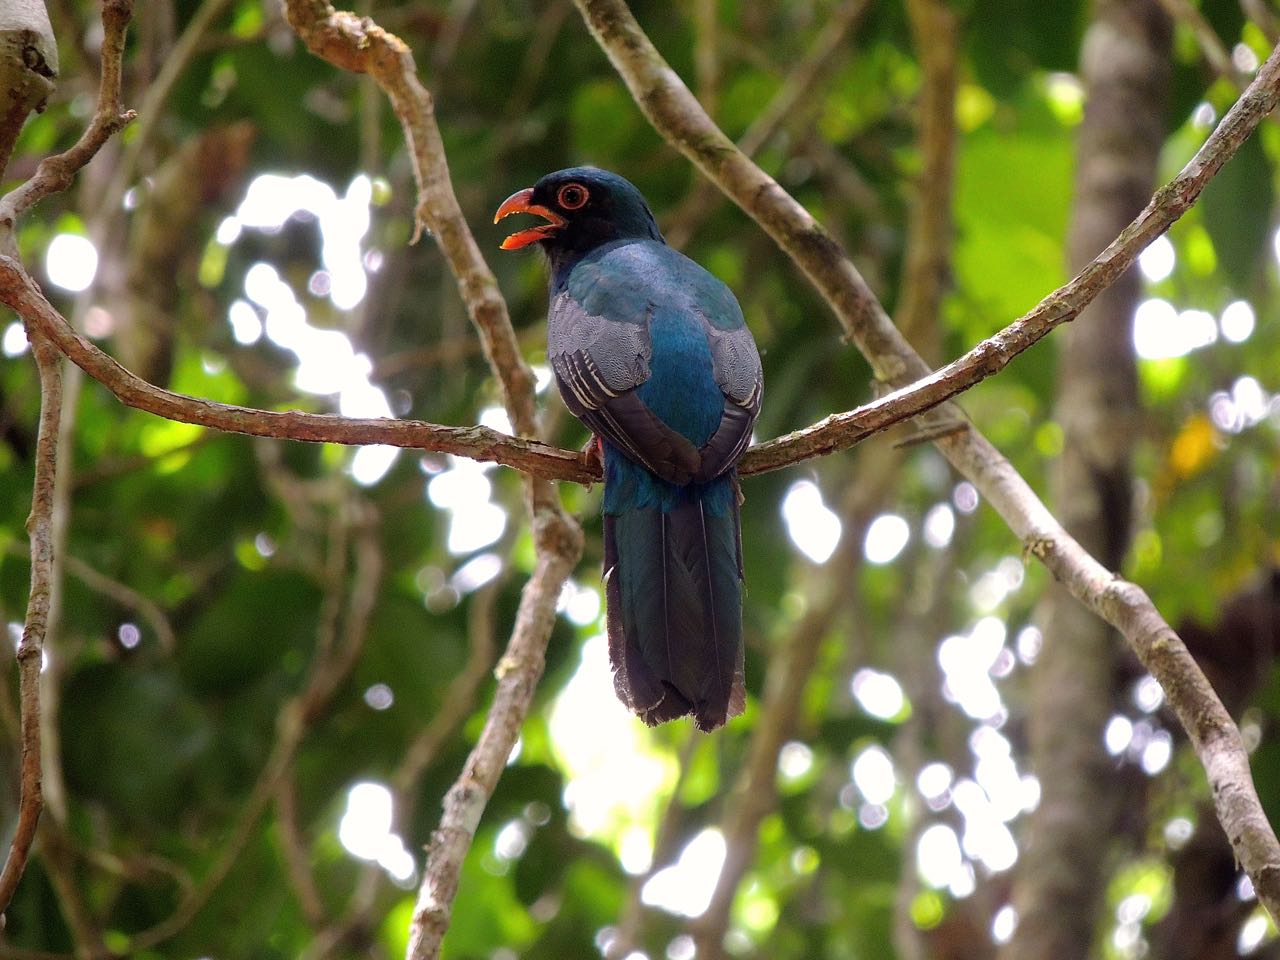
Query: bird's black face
(584, 207)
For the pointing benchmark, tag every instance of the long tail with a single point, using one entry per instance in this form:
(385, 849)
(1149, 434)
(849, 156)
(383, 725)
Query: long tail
(673, 592)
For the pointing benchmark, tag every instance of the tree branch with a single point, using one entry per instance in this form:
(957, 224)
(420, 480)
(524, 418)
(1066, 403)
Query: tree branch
(56, 173)
(362, 46)
(1211, 45)
(19, 291)
(676, 115)
(31, 646)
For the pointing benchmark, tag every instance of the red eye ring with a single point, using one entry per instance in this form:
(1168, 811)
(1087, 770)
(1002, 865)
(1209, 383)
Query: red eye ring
(572, 196)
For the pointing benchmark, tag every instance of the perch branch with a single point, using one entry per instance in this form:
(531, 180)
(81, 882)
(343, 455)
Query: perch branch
(676, 115)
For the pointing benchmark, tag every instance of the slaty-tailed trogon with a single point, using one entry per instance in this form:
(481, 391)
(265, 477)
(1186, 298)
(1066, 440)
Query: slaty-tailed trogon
(652, 353)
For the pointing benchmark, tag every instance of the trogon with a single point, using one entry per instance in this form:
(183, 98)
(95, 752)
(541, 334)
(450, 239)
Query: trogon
(651, 352)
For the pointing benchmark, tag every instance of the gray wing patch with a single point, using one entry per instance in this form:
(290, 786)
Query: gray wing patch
(608, 357)
(736, 364)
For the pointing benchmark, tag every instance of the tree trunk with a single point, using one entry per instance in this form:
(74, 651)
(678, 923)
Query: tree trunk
(1124, 65)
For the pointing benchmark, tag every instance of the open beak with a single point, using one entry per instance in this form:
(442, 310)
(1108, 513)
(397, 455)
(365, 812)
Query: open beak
(521, 202)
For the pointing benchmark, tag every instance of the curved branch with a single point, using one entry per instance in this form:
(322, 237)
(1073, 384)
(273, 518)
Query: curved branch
(675, 114)
(31, 646)
(19, 291)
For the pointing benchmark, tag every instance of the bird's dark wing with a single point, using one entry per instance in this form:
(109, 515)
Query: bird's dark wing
(598, 363)
(736, 366)
(600, 347)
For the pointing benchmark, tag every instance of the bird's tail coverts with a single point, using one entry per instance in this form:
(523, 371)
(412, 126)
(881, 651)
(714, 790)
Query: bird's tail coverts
(673, 593)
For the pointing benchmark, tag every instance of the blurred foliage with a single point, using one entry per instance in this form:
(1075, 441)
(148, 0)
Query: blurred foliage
(236, 540)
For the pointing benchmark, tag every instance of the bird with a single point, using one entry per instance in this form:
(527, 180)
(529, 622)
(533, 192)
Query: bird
(652, 353)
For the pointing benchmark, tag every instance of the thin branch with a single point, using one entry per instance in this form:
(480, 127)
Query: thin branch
(797, 86)
(676, 115)
(1211, 45)
(121, 593)
(559, 543)
(360, 45)
(57, 172)
(19, 291)
(329, 669)
(31, 646)
(1263, 17)
(149, 110)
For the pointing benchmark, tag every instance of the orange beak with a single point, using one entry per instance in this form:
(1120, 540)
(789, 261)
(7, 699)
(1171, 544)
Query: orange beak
(521, 202)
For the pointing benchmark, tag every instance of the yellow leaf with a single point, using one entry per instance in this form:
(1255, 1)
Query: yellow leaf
(1194, 446)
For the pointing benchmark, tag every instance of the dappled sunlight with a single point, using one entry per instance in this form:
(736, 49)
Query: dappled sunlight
(1158, 260)
(365, 831)
(887, 536)
(328, 363)
(939, 525)
(685, 887)
(14, 342)
(1161, 331)
(464, 491)
(615, 774)
(966, 661)
(813, 527)
(878, 693)
(873, 775)
(71, 262)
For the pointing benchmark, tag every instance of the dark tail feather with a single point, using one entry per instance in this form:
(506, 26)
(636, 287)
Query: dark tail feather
(673, 591)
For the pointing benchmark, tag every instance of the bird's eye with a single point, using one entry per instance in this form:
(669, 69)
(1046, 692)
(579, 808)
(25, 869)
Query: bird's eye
(572, 196)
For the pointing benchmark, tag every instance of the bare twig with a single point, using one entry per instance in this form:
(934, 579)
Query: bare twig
(149, 110)
(798, 84)
(1264, 17)
(31, 646)
(362, 46)
(56, 173)
(121, 593)
(559, 543)
(19, 291)
(676, 115)
(329, 669)
(1211, 45)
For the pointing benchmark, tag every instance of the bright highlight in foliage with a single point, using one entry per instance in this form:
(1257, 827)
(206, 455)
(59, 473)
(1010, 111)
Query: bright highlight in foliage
(686, 886)
(365, 830)
(887, 536)
(812, 526)
(71, 262)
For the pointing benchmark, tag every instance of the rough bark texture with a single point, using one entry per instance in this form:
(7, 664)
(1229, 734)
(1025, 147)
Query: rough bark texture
(1063, 875)
(28, 67)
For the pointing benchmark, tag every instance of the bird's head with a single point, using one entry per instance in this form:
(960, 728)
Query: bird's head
(584, 207)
